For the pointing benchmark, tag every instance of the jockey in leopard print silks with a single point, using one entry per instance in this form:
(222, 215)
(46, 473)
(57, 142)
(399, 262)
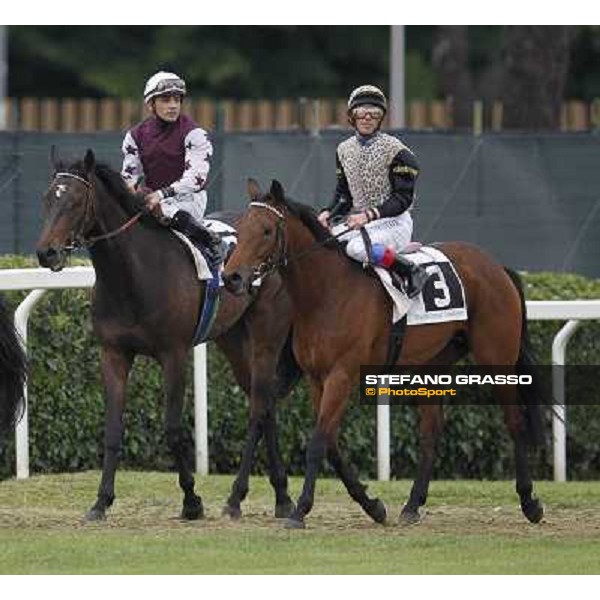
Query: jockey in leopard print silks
(376, 176)
(170, 154)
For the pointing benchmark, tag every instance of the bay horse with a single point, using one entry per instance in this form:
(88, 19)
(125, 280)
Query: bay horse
(13, 373)
(146, 301)
(342, 319)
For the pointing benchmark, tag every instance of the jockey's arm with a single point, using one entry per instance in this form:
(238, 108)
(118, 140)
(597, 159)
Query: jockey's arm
(198, 151)
(132, 170)
(403, 173)
(342, 199)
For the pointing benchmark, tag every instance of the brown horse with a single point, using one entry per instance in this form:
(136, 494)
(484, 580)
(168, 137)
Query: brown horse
(13, 372)
(146, 301)
(342, 319)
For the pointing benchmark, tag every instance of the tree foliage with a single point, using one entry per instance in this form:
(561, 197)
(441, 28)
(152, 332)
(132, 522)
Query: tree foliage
(217, 61)
(527, 67)
(531, 68)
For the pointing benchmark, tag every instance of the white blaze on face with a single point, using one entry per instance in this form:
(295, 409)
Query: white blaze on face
(61, 188)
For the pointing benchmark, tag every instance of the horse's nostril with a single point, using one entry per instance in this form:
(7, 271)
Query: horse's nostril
(47, 256)
(233, 282)
(231, 277)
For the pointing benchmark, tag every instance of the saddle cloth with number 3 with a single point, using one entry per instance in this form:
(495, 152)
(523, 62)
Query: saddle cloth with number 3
(443, 296)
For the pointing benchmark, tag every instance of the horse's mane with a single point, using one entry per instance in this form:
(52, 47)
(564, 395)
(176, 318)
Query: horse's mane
(308, 217)
(116, 187)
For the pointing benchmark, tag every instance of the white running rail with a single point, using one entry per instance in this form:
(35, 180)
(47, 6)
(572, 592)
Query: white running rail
(573, 311)
(40, 280)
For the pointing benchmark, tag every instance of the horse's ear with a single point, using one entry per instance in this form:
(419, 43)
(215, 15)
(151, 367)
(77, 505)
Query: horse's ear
(54, 160)
(277, 191)
(253, 189)
(89, 161)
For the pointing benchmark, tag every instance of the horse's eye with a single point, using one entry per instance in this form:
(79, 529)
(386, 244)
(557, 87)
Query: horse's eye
(267, 232)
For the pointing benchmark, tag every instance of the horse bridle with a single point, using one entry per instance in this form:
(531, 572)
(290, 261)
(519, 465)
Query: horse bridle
(281, 259)
(279, 256)
(78, 237)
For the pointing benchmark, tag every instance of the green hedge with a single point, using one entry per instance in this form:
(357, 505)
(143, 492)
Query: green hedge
(66, 405)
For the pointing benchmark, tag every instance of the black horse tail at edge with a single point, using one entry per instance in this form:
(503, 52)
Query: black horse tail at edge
(13, 374)
(532, 396)
(288, 370)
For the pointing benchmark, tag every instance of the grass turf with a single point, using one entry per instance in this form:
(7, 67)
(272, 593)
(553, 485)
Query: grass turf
(468, 527)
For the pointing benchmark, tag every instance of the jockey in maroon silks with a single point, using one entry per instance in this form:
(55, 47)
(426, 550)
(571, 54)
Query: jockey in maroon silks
(167, 155)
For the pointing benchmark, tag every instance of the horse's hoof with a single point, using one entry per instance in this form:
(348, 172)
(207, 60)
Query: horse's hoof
(94, 514)
(409, 517)
(293, 523)
(377, 511)
(233, 512)
(193, 511)
(284, 510)
(533, 510)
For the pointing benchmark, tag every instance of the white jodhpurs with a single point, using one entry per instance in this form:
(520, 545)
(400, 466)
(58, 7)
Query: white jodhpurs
(390, 231)
(195, 204)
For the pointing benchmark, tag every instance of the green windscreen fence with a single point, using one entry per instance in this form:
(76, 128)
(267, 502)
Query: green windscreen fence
(533, 201)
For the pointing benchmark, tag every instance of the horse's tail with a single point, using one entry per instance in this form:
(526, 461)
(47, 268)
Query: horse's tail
(532, 396)
(288, 370)
(13, 373)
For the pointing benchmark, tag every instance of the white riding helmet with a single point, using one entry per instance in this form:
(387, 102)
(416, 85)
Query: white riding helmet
(163, 83)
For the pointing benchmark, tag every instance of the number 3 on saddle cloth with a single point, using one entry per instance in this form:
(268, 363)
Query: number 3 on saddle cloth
(210, 306)
(442, 297)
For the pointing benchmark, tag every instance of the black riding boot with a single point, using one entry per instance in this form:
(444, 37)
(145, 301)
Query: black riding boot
(414, 275)
(184, 222)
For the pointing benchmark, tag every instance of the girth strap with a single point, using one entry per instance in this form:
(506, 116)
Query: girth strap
(396, 341)
(210, 308)
(399, 328)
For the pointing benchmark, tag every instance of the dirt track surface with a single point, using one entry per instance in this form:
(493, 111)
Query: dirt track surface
(160, 514)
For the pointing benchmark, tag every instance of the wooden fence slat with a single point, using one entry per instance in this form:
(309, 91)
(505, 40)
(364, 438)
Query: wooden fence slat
(108, 115)
(417, 115)
(88, 115)
(205, 114)
(438, 114)
(68, 114)
(578, 115)
(229, 109)
(49, 115)
(245, 116)
(497, 115)
(341, 113)
(325, 113)
(265, 115)
(30, 114)
(285, 115)
(315, 115)
(129, 113)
